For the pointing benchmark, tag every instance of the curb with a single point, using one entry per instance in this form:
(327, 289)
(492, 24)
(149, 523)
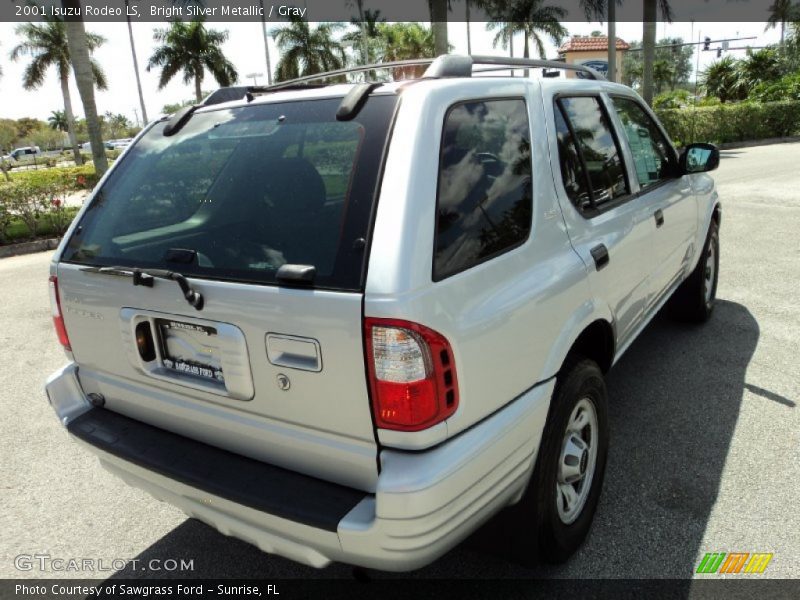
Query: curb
(29, 247)
(753, 143)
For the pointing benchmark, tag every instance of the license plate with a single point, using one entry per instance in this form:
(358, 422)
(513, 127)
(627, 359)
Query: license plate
(190, 349)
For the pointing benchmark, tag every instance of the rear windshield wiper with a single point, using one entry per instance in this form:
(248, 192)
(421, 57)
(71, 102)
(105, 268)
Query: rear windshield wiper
(146, 277)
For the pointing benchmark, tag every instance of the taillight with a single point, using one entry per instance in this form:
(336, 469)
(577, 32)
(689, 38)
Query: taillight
(58, 318)
(412, 374)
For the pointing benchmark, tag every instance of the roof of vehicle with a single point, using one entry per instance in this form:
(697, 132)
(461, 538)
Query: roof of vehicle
(450, 67)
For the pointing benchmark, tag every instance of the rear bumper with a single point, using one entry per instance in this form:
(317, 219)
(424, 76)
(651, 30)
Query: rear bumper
(425, 502)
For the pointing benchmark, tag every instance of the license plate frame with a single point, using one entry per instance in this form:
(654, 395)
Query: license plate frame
(190, 336)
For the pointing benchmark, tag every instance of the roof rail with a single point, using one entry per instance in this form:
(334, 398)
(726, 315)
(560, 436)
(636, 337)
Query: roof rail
(447, 65)
(397, 64)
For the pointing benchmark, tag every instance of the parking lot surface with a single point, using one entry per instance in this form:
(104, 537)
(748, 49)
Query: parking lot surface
(705, 431)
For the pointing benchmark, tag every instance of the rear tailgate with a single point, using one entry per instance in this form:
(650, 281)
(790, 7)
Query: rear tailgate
(321, 425)
(272, 372)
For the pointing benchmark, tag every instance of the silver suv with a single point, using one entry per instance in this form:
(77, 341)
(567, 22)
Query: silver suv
(352, 322)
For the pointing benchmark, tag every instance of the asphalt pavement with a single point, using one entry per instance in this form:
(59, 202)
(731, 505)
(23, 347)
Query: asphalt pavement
(705, 430)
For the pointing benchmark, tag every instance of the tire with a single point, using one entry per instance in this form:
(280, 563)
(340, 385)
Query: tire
(694, 300)
(557, 527)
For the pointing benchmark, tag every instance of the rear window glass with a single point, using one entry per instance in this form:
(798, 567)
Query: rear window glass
(247, 190)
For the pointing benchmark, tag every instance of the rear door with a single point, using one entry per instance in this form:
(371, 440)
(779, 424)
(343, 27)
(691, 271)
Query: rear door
(268, 367)
(608, 225)
(667, 196)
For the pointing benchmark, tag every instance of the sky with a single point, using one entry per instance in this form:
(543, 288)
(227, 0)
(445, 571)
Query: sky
(245, 48)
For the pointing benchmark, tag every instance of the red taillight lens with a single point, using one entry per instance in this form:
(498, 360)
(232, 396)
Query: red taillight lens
(58, 318)
(412, 374)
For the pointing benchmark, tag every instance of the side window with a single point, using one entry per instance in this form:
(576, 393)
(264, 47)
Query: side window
(653, 155)
(597, 151)
(484, 197)
(572, 172)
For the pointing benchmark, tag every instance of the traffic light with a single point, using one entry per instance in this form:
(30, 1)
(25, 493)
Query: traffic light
(707, 44)
(719, 52)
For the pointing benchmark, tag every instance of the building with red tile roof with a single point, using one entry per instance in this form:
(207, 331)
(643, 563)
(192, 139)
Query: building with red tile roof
(592, 51)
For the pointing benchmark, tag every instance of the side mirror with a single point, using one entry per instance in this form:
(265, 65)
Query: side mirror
(699, 158)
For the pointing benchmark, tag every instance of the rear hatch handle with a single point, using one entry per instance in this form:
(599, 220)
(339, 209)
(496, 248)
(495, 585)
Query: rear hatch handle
(145, 277)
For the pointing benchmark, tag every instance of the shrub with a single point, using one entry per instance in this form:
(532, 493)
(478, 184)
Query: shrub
(71, 178)
(58, 216)
(785, 88)
(31, 200)
(673, 99)
(6, 217)
(732, 122)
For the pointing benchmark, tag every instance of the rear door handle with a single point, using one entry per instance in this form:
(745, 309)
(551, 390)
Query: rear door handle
(659, 215)
(600, 256)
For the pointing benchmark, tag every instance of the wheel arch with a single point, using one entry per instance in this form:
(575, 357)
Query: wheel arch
(596, 342)
(589, 333)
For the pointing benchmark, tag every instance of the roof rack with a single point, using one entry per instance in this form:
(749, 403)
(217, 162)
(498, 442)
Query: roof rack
(514, 63)
(447, 65)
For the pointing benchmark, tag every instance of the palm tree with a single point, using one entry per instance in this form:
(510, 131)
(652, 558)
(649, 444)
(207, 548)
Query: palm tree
(191, 48)
(504, 36)
(58, 120)
(530, 17)
(781, 12)
(438, 10)
(370, 29)
(406, 41)
(759, 66)
(136, 65)
(651, 8)
(722, 79)
(84, 79)
(48, 46)
(307, 51)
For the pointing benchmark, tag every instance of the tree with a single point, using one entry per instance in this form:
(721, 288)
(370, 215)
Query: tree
(674, 64)
(48, 46)
(78, 42)
(790, 53)
(529, 17)
(135, 65)
(760, 66)
(780, 13)
(117, 125)
(8, 134)
(406, 41)
(438, 10)
(368, 52)
(651, 9)
(193, 49)
(722, 80)
(307, 51)
(58, 120)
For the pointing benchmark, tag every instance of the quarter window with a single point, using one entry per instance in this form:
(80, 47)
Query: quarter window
(484, 197)
(653, 155)
(591, 139)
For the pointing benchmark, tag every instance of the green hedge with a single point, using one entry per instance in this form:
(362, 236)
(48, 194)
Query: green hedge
(70, 179)
(32, 202)
(736, 122)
